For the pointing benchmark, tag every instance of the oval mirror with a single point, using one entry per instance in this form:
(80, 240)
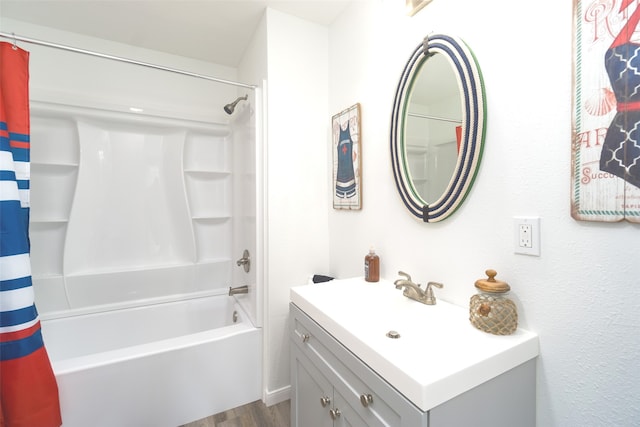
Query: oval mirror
(437, 127)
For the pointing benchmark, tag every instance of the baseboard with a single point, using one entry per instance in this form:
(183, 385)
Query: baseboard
(276, 396)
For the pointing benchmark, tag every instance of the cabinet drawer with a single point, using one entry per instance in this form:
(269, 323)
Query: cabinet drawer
(374, 400)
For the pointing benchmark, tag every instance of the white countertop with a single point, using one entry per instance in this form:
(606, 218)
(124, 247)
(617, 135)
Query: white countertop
(439, 354)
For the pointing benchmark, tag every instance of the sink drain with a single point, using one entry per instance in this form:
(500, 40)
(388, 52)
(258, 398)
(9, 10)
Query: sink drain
(393, 334)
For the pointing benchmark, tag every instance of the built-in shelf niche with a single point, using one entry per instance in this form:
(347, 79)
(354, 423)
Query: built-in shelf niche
(209, 194)
(54, 138)
(55, 154)
(52, 189)
(207, 152)
(208, 181)
(47, 247)
(213, 239)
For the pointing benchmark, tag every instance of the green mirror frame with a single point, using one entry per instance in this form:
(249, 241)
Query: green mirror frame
(473, 99)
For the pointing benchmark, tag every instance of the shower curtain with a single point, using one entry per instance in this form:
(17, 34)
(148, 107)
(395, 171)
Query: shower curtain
(28, 389)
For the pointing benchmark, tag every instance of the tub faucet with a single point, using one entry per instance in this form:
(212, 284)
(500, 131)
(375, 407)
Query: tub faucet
(239, 290)
(245, 261)
(414, 291)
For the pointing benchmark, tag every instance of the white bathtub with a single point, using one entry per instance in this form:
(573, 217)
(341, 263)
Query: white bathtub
(159, 365)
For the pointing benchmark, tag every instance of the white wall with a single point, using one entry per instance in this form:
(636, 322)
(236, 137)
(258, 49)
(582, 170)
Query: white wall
(298, 130)
(581, 294)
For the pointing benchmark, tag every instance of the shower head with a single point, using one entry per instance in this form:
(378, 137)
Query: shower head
(230, 107)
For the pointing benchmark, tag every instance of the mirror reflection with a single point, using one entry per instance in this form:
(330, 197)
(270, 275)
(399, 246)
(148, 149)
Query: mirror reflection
(433, 127)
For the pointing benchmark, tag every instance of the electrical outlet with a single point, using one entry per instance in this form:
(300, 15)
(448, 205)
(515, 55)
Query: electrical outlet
(527, 235)
(524, 235)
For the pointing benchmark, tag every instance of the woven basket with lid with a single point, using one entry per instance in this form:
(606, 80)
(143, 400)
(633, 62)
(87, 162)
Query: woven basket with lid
(490, 310)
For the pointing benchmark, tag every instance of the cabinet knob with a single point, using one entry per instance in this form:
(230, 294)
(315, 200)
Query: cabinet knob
(366, 399)
(335, 413)
(305, 337)
(324, 401)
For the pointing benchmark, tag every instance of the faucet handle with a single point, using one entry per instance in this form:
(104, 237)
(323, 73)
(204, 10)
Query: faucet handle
(430, 298)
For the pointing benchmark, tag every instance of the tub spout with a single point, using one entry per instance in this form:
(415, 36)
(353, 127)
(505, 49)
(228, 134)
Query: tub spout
(239, 290)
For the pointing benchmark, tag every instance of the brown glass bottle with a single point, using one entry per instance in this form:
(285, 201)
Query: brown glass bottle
(372, 266)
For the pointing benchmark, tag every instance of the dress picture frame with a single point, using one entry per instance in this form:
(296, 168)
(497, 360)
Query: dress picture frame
(346, 139)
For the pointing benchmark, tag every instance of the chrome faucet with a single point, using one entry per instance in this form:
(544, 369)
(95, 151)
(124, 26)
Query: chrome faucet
(414, 291)
(239, 290)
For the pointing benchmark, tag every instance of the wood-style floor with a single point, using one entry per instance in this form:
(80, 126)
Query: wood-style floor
(255, 414)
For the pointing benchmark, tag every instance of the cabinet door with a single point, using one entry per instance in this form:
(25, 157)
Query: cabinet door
(347, 417)
(312, 394)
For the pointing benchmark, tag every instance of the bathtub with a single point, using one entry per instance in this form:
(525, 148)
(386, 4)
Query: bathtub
(159, 365)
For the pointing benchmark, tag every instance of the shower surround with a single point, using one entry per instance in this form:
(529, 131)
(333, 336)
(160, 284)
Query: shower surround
(127, 208)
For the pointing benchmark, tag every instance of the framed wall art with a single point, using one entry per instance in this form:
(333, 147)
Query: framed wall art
(606, 111)
(414, 6)
(347, 150)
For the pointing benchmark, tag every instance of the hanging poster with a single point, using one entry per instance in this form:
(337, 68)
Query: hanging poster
(606, 111)
(347, 149)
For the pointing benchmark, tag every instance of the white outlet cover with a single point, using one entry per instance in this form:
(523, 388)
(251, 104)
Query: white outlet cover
(534, 222)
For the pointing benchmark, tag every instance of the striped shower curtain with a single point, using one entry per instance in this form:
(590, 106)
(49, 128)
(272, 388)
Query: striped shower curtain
(28, 389)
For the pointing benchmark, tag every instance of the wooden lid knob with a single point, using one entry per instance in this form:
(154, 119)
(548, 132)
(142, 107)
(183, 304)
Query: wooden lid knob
(491, 284)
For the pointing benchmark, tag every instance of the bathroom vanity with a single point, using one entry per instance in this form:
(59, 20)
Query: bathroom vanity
(364, 355)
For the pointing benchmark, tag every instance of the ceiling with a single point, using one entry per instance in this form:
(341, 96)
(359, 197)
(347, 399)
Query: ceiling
(211, 30)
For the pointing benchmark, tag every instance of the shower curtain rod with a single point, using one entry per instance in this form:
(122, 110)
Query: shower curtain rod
(16, 38)
(425, 116)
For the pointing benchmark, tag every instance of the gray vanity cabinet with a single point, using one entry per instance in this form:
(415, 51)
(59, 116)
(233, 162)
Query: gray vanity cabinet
(321, 369)
(330, 386)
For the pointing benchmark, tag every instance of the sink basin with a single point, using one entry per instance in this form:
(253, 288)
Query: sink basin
(438, 354)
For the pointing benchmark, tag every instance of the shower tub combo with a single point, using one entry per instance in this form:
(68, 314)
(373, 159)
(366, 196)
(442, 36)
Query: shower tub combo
(135, 313)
